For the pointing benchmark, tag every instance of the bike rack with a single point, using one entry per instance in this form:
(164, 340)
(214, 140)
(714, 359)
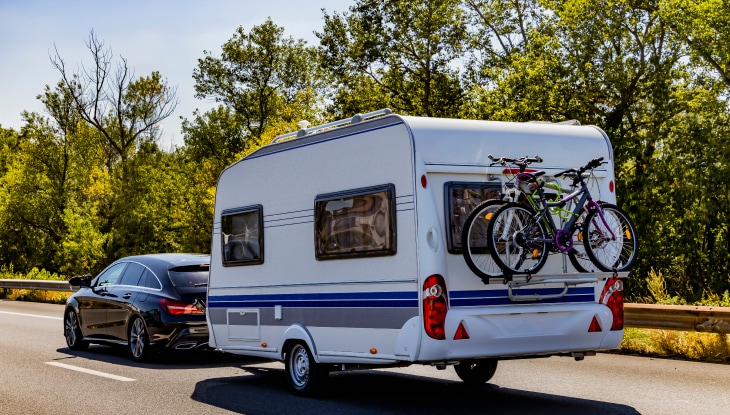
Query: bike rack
(567, 282)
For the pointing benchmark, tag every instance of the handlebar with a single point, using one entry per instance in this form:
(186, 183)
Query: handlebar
(577, 172)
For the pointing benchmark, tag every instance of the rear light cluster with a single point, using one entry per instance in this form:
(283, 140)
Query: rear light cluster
(435, 306)
(613, 297)
(178, 308)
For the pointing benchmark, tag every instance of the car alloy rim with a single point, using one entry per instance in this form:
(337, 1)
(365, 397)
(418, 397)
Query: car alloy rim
(136, 338)
(71, 326)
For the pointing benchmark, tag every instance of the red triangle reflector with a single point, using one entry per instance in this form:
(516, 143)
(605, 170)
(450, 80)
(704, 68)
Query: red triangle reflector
(461, 333)
(595, 326)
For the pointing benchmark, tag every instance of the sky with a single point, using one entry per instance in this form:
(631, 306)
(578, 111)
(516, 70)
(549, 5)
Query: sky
(168, 36)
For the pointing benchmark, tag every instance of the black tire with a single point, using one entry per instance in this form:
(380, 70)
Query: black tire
(305, 376)
(138, 340)
(72, 331)
(511, 235)
(474, 245)
(607, 253)
(476, 371)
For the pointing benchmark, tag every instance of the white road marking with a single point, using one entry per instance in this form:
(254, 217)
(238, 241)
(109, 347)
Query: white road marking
(91, 372)
(30, 315)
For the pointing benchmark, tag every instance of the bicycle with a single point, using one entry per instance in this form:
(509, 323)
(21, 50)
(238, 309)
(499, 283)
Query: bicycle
(473, 238)
(520, 238)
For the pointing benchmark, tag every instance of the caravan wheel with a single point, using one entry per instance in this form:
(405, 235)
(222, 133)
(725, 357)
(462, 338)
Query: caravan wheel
(306, 377)
(476, 371)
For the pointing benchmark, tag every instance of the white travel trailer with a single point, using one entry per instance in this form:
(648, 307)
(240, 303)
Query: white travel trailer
(337, 247)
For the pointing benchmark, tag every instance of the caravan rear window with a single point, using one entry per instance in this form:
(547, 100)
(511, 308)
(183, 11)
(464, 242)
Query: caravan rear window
(355, 223)
(242, 236)
(461, 198)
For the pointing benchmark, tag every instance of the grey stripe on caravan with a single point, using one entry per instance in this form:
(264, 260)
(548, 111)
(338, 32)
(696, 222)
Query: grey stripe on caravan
(386, 318)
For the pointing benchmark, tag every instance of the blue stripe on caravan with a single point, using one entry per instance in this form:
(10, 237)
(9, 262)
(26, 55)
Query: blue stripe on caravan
(228, 303)
(401, 299)
(358, 299)
(480, 298)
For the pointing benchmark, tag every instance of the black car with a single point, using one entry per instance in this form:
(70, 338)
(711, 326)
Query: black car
(145, 302)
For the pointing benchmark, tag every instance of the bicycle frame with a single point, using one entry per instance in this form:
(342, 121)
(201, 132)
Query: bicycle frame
(564, 233)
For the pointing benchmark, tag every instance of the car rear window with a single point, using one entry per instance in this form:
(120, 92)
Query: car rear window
(190, 276)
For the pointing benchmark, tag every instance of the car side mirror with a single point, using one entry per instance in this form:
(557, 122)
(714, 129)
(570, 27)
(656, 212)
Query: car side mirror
(81, 280)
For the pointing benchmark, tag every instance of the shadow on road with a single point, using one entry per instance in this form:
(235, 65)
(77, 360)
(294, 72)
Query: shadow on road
(262, 391)
(170, 359)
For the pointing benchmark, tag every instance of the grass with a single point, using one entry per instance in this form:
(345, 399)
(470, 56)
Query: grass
(38, 296)
(705, 347)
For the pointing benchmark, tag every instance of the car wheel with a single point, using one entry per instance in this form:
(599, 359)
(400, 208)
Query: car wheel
(139, 341)
(305, 376)
(476, 371)
(72, 332)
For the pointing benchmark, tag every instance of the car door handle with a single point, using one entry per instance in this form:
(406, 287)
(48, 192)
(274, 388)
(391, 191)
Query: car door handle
(127, 296)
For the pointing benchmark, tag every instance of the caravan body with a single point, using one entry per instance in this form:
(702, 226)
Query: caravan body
(343, 241)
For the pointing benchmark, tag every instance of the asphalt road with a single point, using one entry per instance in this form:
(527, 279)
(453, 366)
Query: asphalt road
(40, 375)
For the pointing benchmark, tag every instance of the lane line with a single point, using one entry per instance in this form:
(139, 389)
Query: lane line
(91, 372)
(30, 315)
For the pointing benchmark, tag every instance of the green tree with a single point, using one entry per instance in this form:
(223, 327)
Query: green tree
(47, 172)
(257, 77)
(703, 26)
(216, 136)
(121, 116)
(127, 112)
(395, 53)
(158, 208)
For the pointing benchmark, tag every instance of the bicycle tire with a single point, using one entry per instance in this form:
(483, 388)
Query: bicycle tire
(610, 254)
(509, 237)
(474, 245)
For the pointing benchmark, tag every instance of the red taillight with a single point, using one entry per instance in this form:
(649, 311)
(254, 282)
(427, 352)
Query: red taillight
(613, 297)
(178, 308)
(435, 306)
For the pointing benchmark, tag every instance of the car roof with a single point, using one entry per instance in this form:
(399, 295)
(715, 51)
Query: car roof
(167, 261)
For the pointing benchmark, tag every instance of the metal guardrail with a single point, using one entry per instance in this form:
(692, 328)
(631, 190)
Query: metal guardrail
(678, 317)
(37, 285)
(648, 316)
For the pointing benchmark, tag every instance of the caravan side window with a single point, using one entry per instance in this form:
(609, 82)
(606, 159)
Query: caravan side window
(242, 236)
(355, 223)
(461, 198)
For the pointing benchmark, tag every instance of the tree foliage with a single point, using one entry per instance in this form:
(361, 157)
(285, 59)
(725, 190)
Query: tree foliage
(396, 54)
(258, 75)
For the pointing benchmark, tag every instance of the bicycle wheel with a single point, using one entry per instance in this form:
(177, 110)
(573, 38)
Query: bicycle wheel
(517, 243)
(607, 252)
(474, 245)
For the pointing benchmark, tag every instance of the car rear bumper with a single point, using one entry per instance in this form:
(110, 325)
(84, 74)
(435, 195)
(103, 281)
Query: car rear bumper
(183, 337)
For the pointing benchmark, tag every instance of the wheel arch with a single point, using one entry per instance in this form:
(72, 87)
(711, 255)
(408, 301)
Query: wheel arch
(298, 333)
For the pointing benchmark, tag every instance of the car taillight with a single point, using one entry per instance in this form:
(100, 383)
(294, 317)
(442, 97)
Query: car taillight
(179, 308)
(613, 297)
(435, 306)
